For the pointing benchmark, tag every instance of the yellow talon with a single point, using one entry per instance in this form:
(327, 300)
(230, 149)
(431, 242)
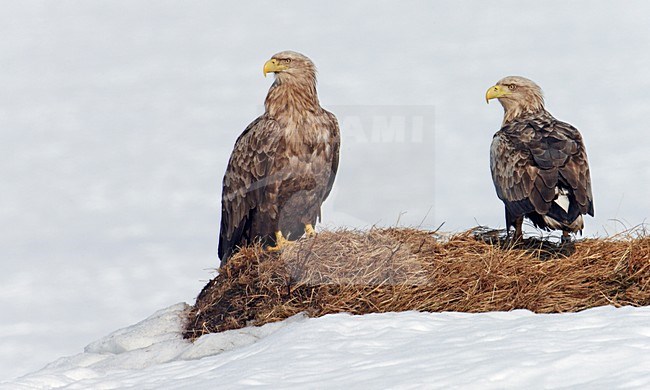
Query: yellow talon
(280, 243)
(309, 230)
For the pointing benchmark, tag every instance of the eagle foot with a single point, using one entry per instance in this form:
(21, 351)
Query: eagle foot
(280, 243)
(309, 231)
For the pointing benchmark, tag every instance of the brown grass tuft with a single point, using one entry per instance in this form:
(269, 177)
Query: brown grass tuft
(385, 270)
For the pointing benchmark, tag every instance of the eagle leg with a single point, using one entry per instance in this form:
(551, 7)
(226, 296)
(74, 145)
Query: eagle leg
(280, 242)
(309, 230)
(566, 237)
(518, 232)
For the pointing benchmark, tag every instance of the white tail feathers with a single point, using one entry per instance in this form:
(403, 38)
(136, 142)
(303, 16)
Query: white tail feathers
(576, 225)
(562, 200)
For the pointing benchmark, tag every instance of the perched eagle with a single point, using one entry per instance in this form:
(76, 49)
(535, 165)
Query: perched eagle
(539, 164)
(283, 165)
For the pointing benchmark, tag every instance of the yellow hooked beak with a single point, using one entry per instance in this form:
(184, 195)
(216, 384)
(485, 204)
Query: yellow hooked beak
(494, 92)
(273, 66)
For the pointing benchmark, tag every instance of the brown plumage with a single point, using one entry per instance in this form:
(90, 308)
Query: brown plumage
(539, 164)
(283, 165)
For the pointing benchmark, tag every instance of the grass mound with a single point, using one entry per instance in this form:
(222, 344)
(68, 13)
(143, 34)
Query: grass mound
(385, 270)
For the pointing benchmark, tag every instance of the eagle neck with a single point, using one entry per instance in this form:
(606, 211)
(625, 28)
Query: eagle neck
(531, 105)
(519, 113)
(291, 98)
(540, 116)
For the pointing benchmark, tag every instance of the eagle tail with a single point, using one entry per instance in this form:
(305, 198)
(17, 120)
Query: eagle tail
(564, 213)
(229, 245)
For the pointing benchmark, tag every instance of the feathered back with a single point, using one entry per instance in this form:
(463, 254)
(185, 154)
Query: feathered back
(530, 158)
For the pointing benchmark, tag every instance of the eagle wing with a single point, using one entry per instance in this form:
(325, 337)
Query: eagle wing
(335, 144)
(529, 159)
(574, 173)
(244, 182)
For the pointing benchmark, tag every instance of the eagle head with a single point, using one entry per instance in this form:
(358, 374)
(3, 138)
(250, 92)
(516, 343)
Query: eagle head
(289, 64)
(518, 95)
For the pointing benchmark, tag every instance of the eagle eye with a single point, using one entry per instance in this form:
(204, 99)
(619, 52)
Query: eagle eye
(512, 87)
(286, 60)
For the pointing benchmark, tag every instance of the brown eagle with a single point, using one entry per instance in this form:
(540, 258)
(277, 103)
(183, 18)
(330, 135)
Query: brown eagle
(539, 164)
(283, 165)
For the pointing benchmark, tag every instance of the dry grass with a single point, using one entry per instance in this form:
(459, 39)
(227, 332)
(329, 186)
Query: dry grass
(386, 270)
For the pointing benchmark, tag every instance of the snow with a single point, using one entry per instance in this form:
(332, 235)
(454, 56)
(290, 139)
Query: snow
(117, 119)
(601, 348)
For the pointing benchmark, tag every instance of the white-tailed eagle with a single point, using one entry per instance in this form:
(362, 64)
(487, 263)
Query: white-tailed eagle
(539, 164)
(283, 165)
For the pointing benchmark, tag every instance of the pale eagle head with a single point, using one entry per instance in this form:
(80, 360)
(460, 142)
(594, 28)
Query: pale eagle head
(518, 96)
(291, 66)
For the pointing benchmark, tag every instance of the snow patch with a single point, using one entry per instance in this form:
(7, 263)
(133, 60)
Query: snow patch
(605, 347)
(154, 341)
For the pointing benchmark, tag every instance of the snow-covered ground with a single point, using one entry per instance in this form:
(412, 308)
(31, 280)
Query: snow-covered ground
(602, 348)
(117, 119)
